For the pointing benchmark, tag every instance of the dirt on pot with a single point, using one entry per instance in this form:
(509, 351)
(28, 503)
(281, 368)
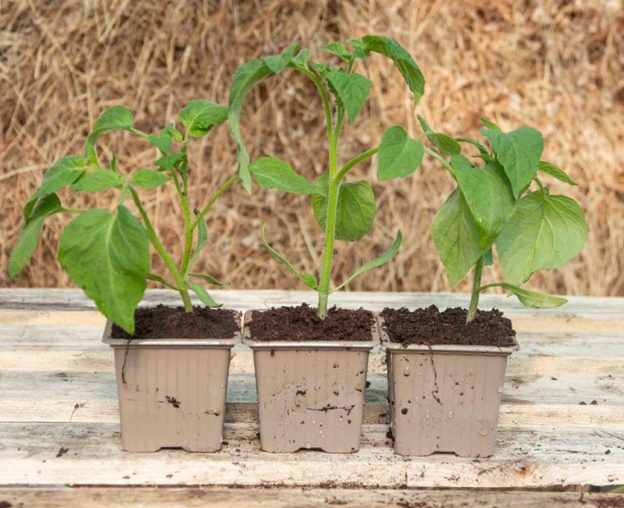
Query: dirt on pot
(162, 322)
(431, 327)
(302, 323)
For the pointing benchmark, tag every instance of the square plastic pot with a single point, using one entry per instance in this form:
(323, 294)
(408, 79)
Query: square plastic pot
(171, 391)
(445, 398)
(310, 393)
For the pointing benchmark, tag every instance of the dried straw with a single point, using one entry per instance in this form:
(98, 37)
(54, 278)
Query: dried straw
(556, 65)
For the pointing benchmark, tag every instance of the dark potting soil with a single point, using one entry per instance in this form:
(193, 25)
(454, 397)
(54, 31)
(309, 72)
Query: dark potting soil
(302, 323)
(430, 326)
(163, 322)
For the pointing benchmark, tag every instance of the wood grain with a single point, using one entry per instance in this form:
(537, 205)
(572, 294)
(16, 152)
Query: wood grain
(562, 417)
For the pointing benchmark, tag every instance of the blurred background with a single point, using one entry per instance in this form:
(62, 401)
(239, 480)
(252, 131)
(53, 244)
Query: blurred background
(555, 65)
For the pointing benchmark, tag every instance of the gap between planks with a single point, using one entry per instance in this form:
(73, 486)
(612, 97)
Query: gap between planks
(218, 497)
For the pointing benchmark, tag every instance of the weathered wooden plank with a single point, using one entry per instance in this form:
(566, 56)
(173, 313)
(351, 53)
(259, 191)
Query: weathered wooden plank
(525, 459)
(100, 497)
(242, 361)
(571, 388)
(51, 361)
(563, 416)
(74, 299)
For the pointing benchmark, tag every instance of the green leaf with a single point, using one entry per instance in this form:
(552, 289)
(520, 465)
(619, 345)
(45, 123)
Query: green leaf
(107, 255)
(355, 212)
(30, 233)
(483, 153)
(308, 279)
(115, 118)
(200, 115)
(338, 49)
(277, 63)
(399, 155)
(322, 69)
(351, 89)
(170, 130)
(384, 258)
(246, 76)
(488, 195)
(65, 172)
(274, 173)
(163, 140)
(210, 279)
(543, 233)
(519, 153)
(99, 180)
(489, 124)
(445, 144)
(203, 295)
(550, 169)
(401, 58)
(456, 237)
(148, 178)
(302, 58)
(533, 299)
(168, 162)
(359, 48)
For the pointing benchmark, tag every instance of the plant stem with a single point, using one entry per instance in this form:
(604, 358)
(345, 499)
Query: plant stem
(323, 93)
(200, 216)
(476, 288)
(188, 230)
(330, 230)
(439, 158)
(354, 161)
(164, 255)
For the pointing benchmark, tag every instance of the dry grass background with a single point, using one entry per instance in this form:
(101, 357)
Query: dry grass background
(555, 64)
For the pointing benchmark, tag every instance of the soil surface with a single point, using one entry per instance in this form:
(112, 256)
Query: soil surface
(302, 323)
(163, 322)
(430, 326)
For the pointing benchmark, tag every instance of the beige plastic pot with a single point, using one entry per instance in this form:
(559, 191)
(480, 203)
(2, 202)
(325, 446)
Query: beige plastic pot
(444, 398)
(171, 391)
(310, 393)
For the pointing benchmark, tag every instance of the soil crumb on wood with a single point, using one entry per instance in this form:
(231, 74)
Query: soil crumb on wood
(302, 323)
(162, 322)
(173, 401)
(430, 326)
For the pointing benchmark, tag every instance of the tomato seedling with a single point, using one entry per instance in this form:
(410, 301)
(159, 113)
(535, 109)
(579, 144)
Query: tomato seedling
(502, 202)
(344, 210)
(106, 252)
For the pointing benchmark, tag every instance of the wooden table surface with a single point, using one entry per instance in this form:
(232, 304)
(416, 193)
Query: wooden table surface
(560, 440)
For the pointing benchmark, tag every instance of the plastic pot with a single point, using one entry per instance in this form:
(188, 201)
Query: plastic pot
(445, 398)
(310, 393)
(171, 391)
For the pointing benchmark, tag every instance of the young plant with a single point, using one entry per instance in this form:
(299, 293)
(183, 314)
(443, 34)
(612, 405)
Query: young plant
(344, 210)
(106, 252)
(502, 201)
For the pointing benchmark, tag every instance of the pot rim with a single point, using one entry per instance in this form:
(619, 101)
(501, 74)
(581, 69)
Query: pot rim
(397, 347)
(171, 342)
(357, 345)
